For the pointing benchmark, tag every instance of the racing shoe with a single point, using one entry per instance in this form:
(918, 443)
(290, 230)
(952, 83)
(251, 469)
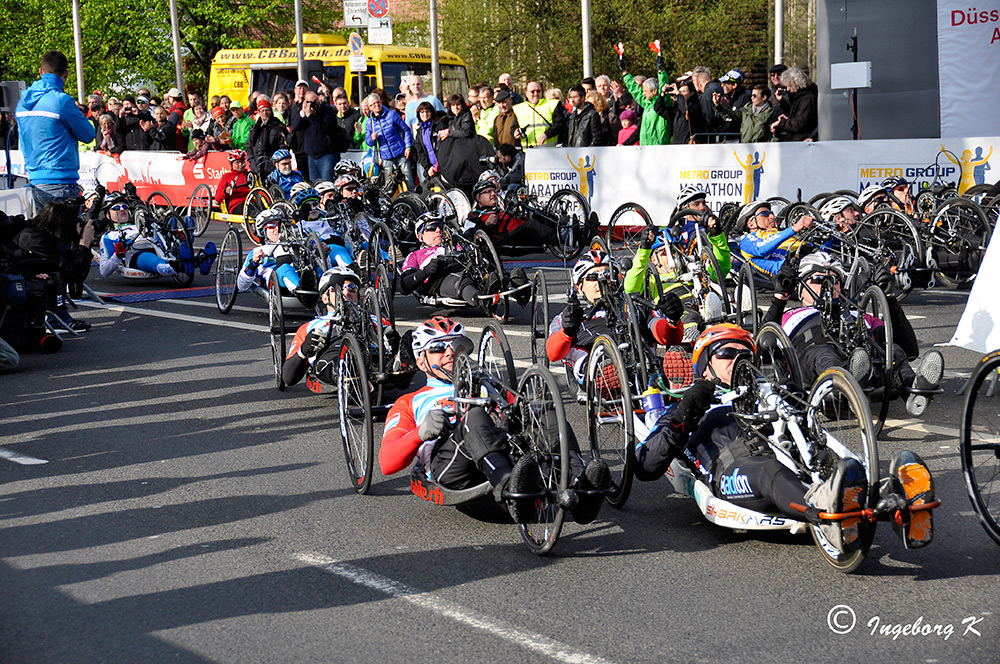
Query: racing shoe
(186, 257)
(845, 491)
(928, 377)
(523, 488)
(860, 365)
(518, 279)
(590, 488)
(909, 477)
(206, 257)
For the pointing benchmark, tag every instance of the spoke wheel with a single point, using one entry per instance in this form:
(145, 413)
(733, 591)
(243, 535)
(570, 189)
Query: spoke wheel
(979, 444)
(373, 335)
(159, 203)
(495, 357)
(748, 315)
(968, 234)
(381, 250)
(180, 236)
(227, 267)
(611, 429)
(487, 264)
(544, 434)
(625, 228)
(257, 201)
(540, 319)
(874, 305)
(200, 208)
(838, 418)
(354, 408)
(572, 214)
(776, 357)
(276, 319)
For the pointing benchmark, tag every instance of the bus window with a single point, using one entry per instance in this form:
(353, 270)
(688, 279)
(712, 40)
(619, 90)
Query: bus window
(334, 76)
(453, 77)
(270, 81)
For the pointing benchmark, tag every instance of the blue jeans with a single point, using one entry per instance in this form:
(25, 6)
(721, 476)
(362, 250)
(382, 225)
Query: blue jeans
(404, 164)
(321, 168)
(55, 192)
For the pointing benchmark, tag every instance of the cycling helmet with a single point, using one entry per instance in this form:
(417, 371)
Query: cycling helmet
(587, 262)
(347, 166)
(439, 328)
(297, 188)
(482, 185)
(894, 181)
(112, 199)
(307, 195)
(345, 180)
(869, 193)
(236, 155)
(690, 192)
(424, 219)
(715, 337)
(490, 175)
(336, 276)
(820, 261)
(323, 187)
(265, 218)
(835, 206)
(281, 154)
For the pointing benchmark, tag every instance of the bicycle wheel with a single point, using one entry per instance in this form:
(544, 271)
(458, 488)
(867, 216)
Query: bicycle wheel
(495, 357)
(372, 333)
(316, 252)
(572, 214)
(838, 419)
(625, 228)
(200, 208)
(873, 306)
(968, 235)
(355, 411)
(636, 352)
(257, 201)
(544, 434)
(776, 357)
(444, 206)
(159, 203)
(611, 430)
(276, 319)
(227, 267)
(890, 232)
(712, 278)
(540, 319)
(381, 249)
(385, 287)
(748, 315)
(652, 283)
(979, 444)
(487, 264)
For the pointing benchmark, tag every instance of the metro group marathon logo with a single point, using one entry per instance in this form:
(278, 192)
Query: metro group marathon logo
(580, 176)
(964, 169)
(730, 184)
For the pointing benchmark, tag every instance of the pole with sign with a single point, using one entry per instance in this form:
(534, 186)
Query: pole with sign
(357, 62)
(355, 13)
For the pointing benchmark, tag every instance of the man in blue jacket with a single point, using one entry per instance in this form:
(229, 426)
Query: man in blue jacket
(50, 126)
(387, 132)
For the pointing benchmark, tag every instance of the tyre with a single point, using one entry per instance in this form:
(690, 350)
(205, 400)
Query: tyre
(372, 336)
(895, 234)
(200, 208)
(776, 357)
(872, 306)
(544, 433)
(611, 430)
(385, 288)
(572, 213)
(838, 419)
(979, 444)
(176, 234)
(227, 267)
(401, 219)
(277, 193)
(460, 202)
(316, 255)
(652, 284)
(495, 357)
(712, 280)
(257, 201)
(488, 263)
(381, 249)
(625, 228)
(541, 317)
(968, 235)
(276, 320)
(159, 203)
(444, 206)
(636, 354)
(748, 315)
(354, 409)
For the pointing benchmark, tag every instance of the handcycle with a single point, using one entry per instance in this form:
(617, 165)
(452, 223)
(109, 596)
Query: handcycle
(566, 211)
(979, 443)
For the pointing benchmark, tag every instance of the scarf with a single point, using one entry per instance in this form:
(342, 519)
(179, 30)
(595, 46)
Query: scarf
(425, 136)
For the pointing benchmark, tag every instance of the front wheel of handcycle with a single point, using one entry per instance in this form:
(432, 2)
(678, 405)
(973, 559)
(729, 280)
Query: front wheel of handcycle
(227, 269)
(544, 434)
(200, 208)
(276, 319)
(748, 316)
(776, 357)
(838, 418)
(873, 306)
(495, 357)
(487, 264)
(979, 443)
(572, 214)
(257, 201)
(625, 229)
(539, 319)
(611, 430)
(355, 430)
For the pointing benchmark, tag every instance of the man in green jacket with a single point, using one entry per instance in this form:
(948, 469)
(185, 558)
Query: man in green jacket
(654, 128)
(239, 125)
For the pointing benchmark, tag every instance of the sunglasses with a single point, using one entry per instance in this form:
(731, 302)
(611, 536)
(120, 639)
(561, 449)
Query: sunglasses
(732, 353)
(595, 276)
(458, 345)
(436, 226)
(272, 224)
(119, 207)
(351, 188)
(351, 288)
(820, 278)
(765, 213)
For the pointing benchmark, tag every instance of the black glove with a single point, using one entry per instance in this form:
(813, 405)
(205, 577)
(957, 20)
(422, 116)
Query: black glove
(433, 425)
(621, 64)
(648, 238)
(881, 276)
(314, 343)
(436, 265)
(786, 278)
(572, 318)
(670, 307)
(659, 62)
(694, 404)
(130, 189)
(100, 191)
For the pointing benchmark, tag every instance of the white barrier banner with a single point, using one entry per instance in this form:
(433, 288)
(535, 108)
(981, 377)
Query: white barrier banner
(744, 172)
(979, 327)
(969, 67)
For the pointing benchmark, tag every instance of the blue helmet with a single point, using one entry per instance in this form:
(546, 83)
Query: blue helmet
(281, 154)
(308, 195)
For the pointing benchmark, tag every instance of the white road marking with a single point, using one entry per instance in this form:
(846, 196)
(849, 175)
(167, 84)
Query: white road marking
(211, 305)
(17, 457)
(534, 642)
(921, 427)
(184, 317)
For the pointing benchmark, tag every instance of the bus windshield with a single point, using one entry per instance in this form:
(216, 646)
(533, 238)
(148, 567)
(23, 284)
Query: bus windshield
(454, 80)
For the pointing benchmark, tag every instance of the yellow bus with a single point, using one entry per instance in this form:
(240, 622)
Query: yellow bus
(237, 72)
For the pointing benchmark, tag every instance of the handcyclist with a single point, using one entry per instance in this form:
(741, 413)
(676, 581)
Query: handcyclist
(504, 229)
(745, 472)
(764, 246)
(234, 186)
(572, 333)
(283, 175)
(272, 256)
(423, 425)
(898, 190)
(817, 352)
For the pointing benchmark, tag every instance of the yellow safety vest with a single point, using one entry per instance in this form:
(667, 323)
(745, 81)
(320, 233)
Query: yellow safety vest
(534, 120)
(484, 127)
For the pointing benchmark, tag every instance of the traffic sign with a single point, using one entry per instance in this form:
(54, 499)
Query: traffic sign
(357, 46)
(379, 30)
(355, 13)
(378, 8)
(357, 63)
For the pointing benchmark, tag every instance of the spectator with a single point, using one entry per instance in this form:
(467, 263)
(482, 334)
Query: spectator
(588, 84)
(217, 135)
(95, 105)
(688, 122)
(389, 135)
(610, 125)
(458, 147)
(399, 104)
(200, 119)
(279, 105)
(143, 92)
(239, 125)
(267, 136)
(347, 118)
(129, 125)
(114, 106)
(424, 140)
(142, 103)
(174, 103)
(706, 87)
(735, 91)
(108, 140)
(798, 119)
(488, 112)
(629, 133)
(50, 126)
(510, 166)
(320, 136)
(416, 91)
(193, 99)
(301, 158)
(508, 80)
(654, 129)
(755, 118)
(359, 128)
(225, 102)
(505, 127)
(774, 75)
(162, 134)
(472, 97)
(585, 128)
(540, 119)
(200, 147)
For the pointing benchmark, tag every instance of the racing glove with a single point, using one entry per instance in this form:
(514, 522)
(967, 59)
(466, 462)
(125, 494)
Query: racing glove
(436, 265)
(670, 307)
(572, 318)
(313, 344)
(694, 405)
(659, 63)
(881, 276)
(433, 425)
(786, 278)
(648, 238)
(120, 249)
(130, 189)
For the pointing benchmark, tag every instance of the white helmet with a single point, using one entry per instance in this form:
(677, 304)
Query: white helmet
(267, 217)
(324, 186)
(835, 206)
(336, 276)
(870, 192)
(691, 192)
(587, 262)
(297, 187)
(820, 261)
(440, 329)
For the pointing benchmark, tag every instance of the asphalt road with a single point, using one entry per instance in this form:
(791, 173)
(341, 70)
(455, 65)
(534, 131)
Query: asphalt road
(189, 512)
